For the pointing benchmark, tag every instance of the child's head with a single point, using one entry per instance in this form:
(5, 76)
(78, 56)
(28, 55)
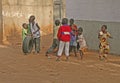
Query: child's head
(104, 28)
(71, 21)
(32, 18)
(57, 22)
(80, 30)
(25, 26)
(64, 21)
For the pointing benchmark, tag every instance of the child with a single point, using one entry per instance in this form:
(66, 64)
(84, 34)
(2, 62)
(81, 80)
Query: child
(74, 33)
(26, 37)
(81, 41)
(35, 33)
(24, 30)
(64, 38)
(55, 39)
(73, 43)
(104, 45)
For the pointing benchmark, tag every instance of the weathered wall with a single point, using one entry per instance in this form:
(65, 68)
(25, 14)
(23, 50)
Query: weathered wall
(1, 29)
(59, 9)
(91, 29)
(16, 12)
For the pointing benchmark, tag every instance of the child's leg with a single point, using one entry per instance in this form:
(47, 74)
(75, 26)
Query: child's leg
(70, 49)
(101, 53)
(75, 52)
(61, 47)
(105, 56)
(81, 54)
(78, 46)
(106, 51)
(37, 45)
(67, 50)
(50, 50)
(56, 46)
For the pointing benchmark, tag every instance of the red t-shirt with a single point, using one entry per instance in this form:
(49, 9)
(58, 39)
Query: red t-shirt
(74, 27)
(64, 33)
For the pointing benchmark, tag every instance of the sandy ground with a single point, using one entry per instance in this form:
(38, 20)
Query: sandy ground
(15, 67)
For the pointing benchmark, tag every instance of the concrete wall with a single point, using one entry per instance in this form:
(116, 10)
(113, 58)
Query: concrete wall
(91, 15)
(91, 29)
(98, 10)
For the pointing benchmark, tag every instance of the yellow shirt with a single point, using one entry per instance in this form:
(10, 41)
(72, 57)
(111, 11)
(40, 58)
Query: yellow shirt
(55, 32)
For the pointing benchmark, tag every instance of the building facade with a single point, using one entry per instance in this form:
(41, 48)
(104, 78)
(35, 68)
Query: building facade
(15, 12)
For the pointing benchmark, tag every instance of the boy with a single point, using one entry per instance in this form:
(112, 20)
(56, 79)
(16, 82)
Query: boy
(35, 33)
(64, 38)
(55, 39)
(81, 41)
(104, 45)
(27, 40)
(74, 33)
(24, 30)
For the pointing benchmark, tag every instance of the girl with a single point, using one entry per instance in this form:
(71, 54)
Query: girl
(104, 45)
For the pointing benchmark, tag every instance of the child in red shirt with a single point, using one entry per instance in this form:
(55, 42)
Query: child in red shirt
(64, 38)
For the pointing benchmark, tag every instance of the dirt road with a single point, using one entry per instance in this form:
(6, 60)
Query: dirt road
(15, 67)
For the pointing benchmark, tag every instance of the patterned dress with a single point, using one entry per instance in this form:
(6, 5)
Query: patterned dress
(104, 45)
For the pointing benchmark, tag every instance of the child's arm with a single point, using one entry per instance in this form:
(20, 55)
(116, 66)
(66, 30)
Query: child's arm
(37, 29)
(100, 34)
(59, 33)
(109, 35)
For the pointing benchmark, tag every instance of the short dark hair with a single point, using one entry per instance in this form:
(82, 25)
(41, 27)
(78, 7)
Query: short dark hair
(72, 19)
(64, 21)
(104, 26)
(80, 29)
(57, 22)
(23, 24)
(32, 16)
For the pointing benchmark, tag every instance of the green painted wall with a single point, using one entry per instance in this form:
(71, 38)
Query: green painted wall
(91, 29)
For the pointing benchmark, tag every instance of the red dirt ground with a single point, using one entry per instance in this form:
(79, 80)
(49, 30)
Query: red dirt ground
(15, 67)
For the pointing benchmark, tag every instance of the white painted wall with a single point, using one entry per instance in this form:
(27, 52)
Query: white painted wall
(98, 10)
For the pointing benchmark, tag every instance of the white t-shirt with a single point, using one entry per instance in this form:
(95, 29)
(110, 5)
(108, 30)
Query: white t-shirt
(81, 41)
(34, 28)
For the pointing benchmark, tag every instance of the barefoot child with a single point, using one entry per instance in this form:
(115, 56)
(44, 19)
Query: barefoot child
(35, 30)
(74, 33)
(55, 39)
(64, 38)
(24, 30)
(25, 35)
(104, 45)
(81, 41)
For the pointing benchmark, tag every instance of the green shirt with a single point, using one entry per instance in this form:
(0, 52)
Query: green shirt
(24, 33)
(29, 30)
